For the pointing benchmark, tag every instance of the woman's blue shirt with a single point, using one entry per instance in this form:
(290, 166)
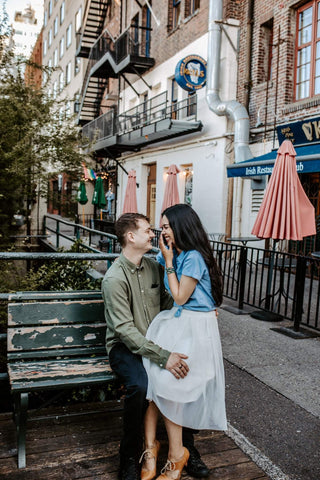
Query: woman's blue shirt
(191, 264)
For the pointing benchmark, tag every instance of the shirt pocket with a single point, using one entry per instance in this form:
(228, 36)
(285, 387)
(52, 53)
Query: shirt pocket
(153, 296)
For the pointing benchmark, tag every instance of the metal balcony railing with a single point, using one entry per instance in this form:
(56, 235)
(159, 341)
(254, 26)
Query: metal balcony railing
(146, 113)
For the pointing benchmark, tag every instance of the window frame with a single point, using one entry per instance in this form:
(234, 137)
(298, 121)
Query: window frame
(176, 6)
(68, 72)
(62, 12)
(315, 5)
(61, 50)
(69, 35)
(55, 26)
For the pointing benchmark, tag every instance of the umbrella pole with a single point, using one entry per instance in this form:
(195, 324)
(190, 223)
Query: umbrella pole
(270, 275)
(267, 315)
(101, 214)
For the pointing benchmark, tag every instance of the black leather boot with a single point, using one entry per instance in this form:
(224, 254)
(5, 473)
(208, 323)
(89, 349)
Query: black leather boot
(195, 466)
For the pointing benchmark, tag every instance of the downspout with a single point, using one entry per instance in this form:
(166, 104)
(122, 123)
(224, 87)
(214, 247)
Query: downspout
(231, 108)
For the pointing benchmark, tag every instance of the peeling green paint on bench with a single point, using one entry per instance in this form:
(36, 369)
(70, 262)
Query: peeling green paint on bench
(54, 344)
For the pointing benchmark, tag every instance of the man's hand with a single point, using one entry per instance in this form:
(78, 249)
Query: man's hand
(177, 366)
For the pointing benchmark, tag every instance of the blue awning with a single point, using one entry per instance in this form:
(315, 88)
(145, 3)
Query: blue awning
(308, 161)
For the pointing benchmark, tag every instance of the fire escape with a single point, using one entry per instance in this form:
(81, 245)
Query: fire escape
(152, 121)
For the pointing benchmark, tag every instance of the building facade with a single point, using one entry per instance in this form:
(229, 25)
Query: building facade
(279, 83)
(63, 81)
(137, 113)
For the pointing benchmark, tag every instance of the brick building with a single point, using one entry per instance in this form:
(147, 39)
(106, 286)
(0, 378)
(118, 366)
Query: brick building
(32, 74)
(136, 113)
(279, 84)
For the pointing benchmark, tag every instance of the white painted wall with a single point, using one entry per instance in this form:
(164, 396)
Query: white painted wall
(205, 150)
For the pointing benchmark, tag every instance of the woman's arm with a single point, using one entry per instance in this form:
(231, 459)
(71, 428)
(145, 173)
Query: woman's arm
(181, 291)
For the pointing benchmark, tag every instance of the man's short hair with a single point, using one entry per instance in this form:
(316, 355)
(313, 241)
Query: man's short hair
(125, 223)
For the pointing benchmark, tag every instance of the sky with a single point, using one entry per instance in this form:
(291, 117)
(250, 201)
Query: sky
(19, 5)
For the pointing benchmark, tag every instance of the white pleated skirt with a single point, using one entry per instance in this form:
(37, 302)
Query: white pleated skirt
(198, 400)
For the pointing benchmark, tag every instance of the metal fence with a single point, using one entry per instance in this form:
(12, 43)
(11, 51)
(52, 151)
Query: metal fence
(277, 282)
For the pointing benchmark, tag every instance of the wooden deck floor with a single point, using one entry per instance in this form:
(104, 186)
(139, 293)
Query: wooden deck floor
(70, 444)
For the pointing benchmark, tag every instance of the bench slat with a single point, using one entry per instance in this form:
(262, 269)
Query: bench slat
(65, 352)
(55, 295)
(55, 336)
(48, 313)
(27, 376)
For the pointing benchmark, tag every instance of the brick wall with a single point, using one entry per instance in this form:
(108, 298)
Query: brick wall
(278, 93)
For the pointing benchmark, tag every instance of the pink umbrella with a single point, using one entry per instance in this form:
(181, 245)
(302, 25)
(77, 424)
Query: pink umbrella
(130, 198)
(171, 194)
(285, 212)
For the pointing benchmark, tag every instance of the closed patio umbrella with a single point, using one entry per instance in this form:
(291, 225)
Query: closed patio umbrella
(286, 212)
(130, 198)
(82, 197)
(171, 194)
(98, 197)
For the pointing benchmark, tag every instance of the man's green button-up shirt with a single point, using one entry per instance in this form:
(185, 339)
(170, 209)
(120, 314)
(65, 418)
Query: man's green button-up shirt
(133, 296)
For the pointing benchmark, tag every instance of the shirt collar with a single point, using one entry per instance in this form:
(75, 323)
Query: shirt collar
(129, 265)
(179, 258)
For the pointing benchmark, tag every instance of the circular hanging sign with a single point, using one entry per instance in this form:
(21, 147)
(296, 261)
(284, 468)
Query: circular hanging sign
(191, 73)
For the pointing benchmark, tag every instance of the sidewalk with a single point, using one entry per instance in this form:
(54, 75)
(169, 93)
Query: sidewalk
(273, 394)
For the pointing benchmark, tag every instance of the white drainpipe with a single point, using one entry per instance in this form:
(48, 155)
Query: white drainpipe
(232, 109)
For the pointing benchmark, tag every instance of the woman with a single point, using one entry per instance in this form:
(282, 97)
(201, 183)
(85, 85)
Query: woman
(190, 327)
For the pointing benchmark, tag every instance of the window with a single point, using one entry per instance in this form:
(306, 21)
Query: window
(264, 73)
(45, 18)
(69, 36)
(62, 12)
(50, 63)
(176, 13)
(77, 65)
(45, 46)
(61, 47)
(50, 37)
(61, 82)
(78, 19)
(50, 8)
(68, 73)
(174, 99)
(307, 74)
(55, 58)
(190, 7)
(55, 26)
(55, 89)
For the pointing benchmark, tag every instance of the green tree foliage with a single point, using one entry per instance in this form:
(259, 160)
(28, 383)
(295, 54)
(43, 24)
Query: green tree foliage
(36, 139)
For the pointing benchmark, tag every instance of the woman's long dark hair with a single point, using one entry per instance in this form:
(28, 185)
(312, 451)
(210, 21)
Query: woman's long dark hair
(189, 234)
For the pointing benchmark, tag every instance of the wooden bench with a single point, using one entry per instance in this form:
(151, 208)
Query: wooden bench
(56, 340)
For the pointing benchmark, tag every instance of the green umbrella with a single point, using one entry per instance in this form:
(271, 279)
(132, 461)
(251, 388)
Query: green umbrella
(82, 194)
(82, 197)
(99, 198)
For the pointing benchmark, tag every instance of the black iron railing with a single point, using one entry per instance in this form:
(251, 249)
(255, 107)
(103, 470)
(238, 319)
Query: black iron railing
(278, 282)
(153, 110)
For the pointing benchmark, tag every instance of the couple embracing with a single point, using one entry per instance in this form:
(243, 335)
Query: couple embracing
(163, 341)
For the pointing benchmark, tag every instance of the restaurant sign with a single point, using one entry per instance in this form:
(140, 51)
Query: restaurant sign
(300, 133)
(191, 73)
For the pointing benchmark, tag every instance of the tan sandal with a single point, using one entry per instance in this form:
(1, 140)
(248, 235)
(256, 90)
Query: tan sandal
(149, 454)
(173, 470)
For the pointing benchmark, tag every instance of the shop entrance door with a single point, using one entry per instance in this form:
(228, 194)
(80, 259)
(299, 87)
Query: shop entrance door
(151, 193)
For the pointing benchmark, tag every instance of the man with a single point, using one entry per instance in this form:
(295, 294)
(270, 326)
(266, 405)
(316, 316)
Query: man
(134, 293)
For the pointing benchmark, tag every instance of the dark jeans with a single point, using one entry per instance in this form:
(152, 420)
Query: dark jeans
(131, 372)
(130, 369)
